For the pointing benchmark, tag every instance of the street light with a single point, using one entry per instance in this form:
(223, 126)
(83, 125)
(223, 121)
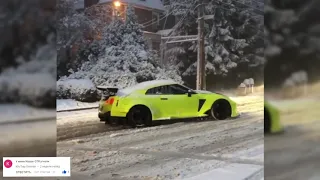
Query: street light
(117, 3)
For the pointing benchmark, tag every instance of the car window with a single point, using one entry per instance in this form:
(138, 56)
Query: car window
(153, 91)
(158, 90)
(178, 89)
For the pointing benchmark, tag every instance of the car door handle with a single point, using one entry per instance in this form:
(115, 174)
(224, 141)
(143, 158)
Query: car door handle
(164, 98)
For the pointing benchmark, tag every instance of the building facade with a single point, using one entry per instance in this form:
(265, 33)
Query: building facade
(150, 14)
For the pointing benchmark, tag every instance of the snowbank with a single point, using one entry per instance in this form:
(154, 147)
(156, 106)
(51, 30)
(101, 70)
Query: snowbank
(36, 89)
(31, 82)
(78, 89)
(18, 112)
(70, 104)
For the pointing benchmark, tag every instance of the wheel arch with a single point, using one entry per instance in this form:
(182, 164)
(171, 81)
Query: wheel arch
(208, 108)
(141, 105)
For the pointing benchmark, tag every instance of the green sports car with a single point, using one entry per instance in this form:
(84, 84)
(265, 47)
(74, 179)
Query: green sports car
(162, 100)
(271, 119)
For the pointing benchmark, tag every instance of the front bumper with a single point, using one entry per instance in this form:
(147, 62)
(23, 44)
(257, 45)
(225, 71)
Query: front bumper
(279, 129)
(236, 116)
(276, 132)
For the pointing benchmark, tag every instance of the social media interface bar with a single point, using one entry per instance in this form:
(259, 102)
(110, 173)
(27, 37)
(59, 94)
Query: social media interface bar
(36, 166)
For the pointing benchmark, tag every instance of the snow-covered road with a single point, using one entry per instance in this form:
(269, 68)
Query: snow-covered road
(294, 155)
(230, 149)
(28, 137)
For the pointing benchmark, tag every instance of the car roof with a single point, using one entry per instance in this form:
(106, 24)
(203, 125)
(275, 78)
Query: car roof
(146, 85)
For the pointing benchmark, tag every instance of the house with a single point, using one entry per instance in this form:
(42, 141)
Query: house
(150, 14)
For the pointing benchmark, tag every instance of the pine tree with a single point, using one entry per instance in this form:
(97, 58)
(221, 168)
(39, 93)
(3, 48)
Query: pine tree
(291, 40)
(126, 58)
(28, 53)
(231, 37)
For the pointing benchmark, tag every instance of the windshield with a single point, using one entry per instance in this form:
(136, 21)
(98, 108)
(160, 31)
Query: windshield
(189, 89)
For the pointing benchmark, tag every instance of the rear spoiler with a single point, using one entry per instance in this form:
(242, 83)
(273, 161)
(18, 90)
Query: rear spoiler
(108, 89)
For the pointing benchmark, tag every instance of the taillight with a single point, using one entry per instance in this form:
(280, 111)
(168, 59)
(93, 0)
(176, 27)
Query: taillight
(111, 100)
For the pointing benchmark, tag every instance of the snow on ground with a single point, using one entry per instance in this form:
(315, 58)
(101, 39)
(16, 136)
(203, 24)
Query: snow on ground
(230, 172)
(37, 89)
(173, 151)
(17, 112)
(79, 89)
(294, 154)
(76, 85)
(70, 104)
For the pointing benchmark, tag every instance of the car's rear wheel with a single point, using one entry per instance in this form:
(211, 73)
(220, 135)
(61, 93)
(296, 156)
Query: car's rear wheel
(267, 121)
(139, 116)
(221, 109)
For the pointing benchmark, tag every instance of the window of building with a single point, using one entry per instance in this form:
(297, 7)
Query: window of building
(155, 20)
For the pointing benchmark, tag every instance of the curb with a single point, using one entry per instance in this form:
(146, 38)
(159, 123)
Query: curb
(257, 175)
(77, 109)
(28, 120)
(232, 172)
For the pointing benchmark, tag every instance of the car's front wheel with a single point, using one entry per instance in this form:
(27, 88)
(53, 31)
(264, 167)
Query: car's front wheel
(139, 116)
(220, 109)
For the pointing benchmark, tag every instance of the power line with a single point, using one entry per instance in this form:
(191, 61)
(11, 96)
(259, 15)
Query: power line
(163, 44)
(151, 21)
(180, 21)
(184, 40)
(175, 27)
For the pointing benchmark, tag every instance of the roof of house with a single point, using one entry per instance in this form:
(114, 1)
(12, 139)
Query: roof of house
(152, 4)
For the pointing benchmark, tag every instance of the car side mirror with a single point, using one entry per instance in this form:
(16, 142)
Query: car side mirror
(190, 93)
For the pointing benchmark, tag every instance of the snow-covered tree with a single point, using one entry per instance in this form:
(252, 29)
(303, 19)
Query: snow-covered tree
(291, 40)
(233, 36)
(126, 59)
(71, 28)
(28, 52)
(79, 29)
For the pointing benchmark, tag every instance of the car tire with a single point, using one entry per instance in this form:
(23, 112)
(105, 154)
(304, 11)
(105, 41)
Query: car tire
(267, 121)
(139, 116)
(220, 109)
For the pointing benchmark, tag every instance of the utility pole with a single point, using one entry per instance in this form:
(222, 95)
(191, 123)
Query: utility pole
(201, 81)
(162, 52)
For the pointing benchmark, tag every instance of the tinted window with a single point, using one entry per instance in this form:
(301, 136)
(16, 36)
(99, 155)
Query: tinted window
(178, 89)
(158, 90)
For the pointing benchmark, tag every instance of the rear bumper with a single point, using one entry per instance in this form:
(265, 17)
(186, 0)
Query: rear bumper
(104, 116)
(117, 112)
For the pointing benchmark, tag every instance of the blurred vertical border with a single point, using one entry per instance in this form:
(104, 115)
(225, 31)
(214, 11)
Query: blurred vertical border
(27, 78)
(292, 85)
